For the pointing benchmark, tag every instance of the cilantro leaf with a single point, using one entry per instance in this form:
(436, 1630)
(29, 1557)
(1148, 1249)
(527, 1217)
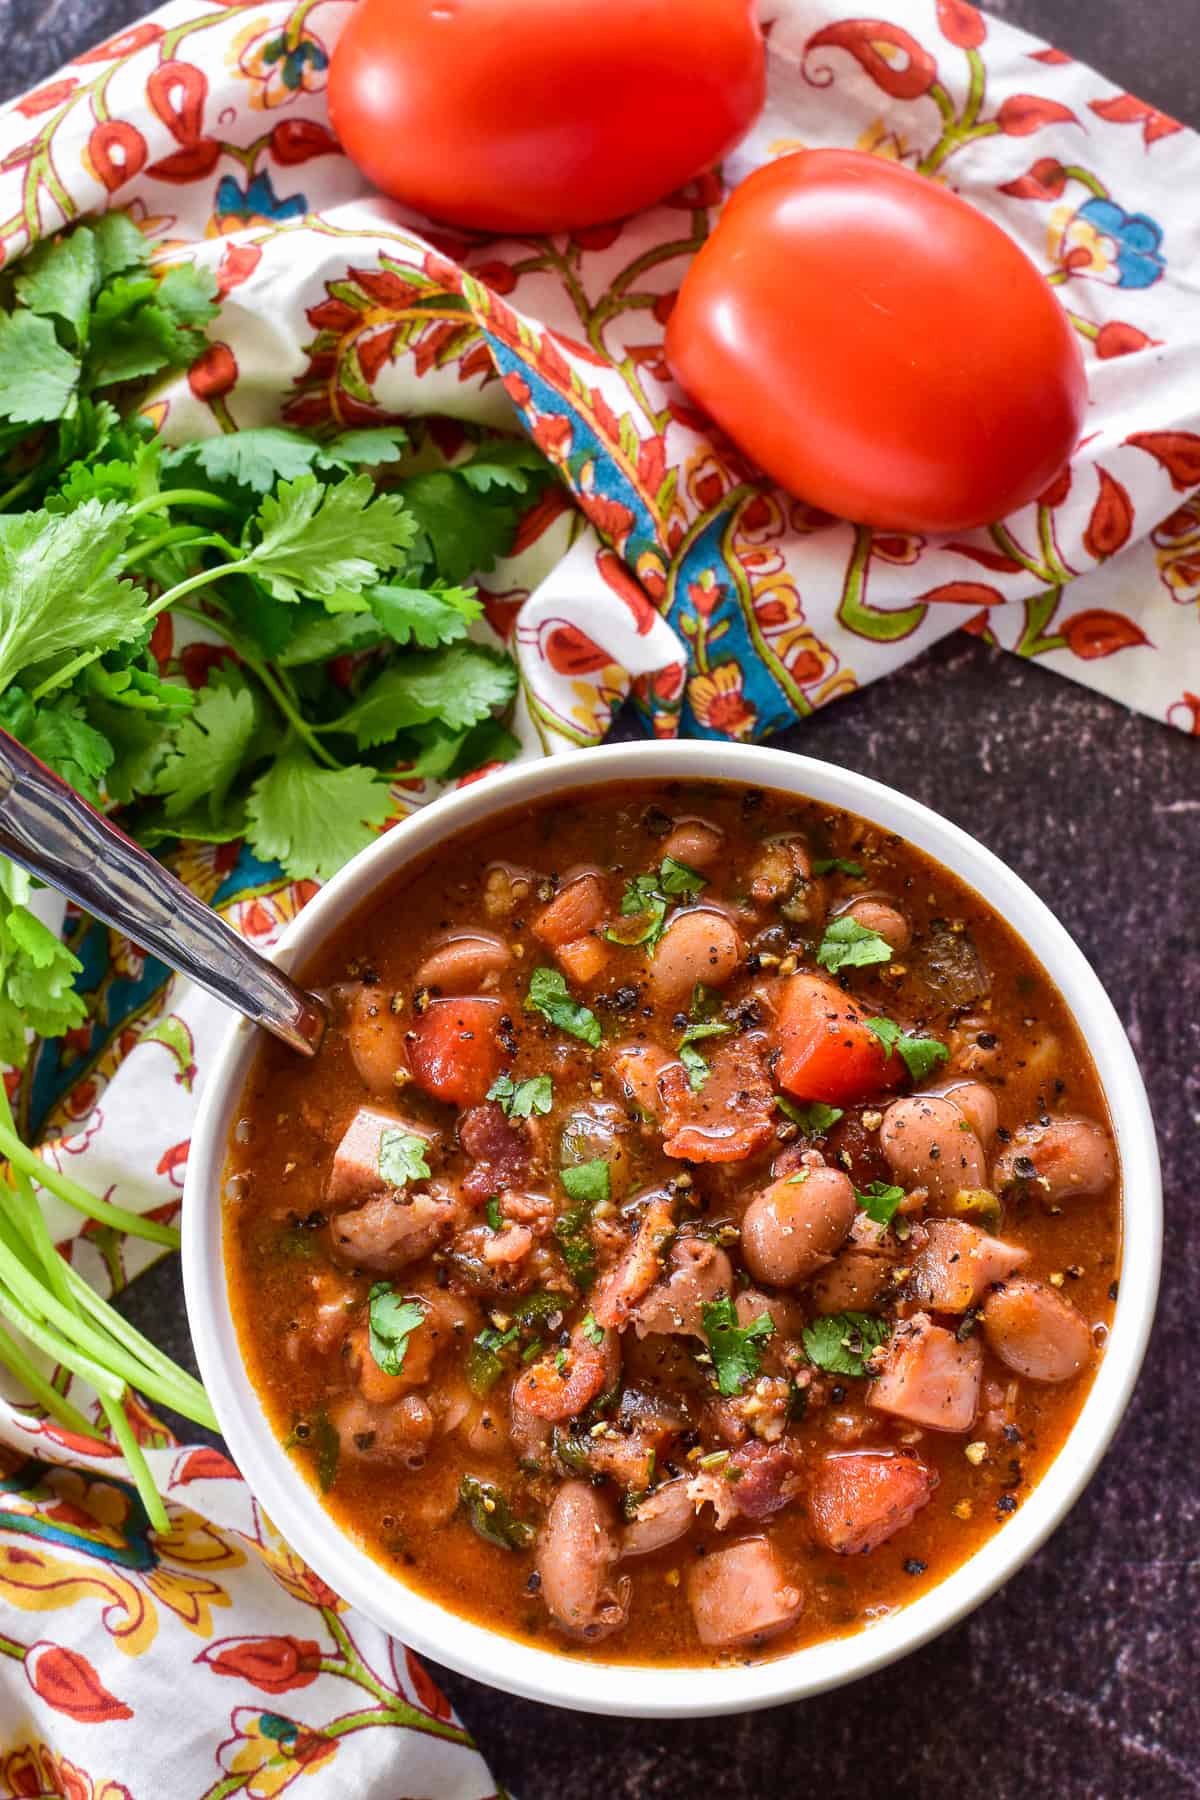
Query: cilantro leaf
(319, 636)
(587, 1184)
(208, 750)
(316, 539)
(59, 586)
(493, 1215)
(734, 1347)
(454, 687)
(879, 1201)
(842, 1342)
(592, 1330)
(814, 1120)
(825, 865)
(391, 1321)
(462, 531)
(120, 246)
(548, 994)
(920, 1055)
(849, 945)
(59, 277)
(441, 753)
(312, 820)
(37, 973)
(37, 376)
(521, 1099)
(589, 1181)
(402, 1157)
(59, 737)
(698, 1070)
(677, 878)
(426, 616)
(503, 463)
(260, 455)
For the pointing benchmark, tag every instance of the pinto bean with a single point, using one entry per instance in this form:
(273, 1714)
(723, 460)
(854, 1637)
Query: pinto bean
(376, 1037)
(462, 963)
(929, 1143)
(977, 1103)
(878, 916)
(577, 1552)
(400, 1432)
(1071, 1159)
(741, 1595)
(700, 945)
(1036, 1331)
(694, 843)
(662, 1518)
(794, 1227)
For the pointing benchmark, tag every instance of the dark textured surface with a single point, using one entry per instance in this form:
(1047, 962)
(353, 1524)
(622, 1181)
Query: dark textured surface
(1082, 1678)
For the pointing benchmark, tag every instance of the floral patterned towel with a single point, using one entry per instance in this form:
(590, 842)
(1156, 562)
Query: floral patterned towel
(723, 606)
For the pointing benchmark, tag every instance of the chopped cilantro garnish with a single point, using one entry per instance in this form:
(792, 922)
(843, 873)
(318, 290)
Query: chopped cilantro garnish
(391, 1321)
(814, 1120)
(593, 1332)
(879, 1201)
(647, 897)
(484, 1365)
(697, 1068)
(589, 1181)
(521, 1099)
(826, 865)
(548, 994)
(734, 1347)
(402, 1157)
(493, 1215)
(849, 945)
(920, 1055)
(842, 1342)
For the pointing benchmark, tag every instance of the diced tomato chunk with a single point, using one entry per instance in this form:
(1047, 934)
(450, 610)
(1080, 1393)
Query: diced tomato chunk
(826, 1051)
(860, 1499)
(454, 1051)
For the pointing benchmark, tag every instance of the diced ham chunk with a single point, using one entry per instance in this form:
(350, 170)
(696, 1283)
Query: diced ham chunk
(958, 1264)
(696, 1273)
(928, 1377)
(393, 1230)
(355, 1174)
(741, 1595)
(860, 1498)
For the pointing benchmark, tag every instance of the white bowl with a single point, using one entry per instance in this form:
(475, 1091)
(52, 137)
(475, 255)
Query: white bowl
(613, 1687)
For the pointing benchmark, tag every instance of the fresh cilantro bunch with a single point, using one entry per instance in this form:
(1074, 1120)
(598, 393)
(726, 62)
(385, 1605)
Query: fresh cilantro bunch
(331, 573)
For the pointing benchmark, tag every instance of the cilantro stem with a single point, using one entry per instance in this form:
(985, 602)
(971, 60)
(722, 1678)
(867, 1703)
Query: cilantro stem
(57, 1183)
(179, 497)
(17, 489)
(174, 534)
(273, 683)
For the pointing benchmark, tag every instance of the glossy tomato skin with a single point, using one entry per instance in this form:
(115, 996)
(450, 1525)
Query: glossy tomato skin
(540, 115)
(879, 347)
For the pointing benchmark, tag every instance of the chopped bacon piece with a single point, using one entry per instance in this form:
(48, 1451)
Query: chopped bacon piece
(499, 1148)
(731, 1117)
(639, 1268)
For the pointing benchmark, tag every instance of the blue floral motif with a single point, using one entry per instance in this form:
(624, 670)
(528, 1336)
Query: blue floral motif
(1137, 238)
(257, 200)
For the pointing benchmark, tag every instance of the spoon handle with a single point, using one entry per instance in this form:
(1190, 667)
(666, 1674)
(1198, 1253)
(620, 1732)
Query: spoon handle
(47, 828)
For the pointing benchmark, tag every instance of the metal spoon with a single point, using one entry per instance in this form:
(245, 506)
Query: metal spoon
(49, 830)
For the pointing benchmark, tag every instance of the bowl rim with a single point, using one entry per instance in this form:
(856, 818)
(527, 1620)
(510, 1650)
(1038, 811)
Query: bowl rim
(628, 1689)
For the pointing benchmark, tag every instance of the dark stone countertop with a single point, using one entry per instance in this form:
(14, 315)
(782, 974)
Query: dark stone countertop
(1082, 1677)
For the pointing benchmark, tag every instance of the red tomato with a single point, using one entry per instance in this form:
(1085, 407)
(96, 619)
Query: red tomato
(880, 348)
(454, 1051)
(825, 1050)
(539, 115)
